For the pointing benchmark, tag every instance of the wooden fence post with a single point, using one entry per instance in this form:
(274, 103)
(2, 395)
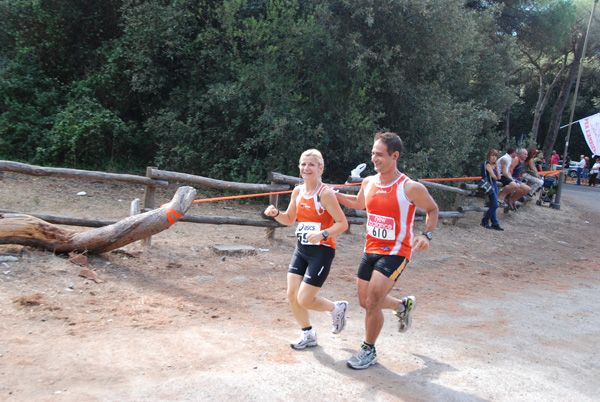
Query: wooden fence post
(149, 201)
(458, 202)
(273, 200)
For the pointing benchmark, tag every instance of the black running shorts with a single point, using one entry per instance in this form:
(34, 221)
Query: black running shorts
(389, 265)
(505, 180)
(312, 262)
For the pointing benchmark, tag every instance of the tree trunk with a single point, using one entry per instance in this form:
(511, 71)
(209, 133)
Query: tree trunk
(29, 231)
(544, 94)
(563, 98)
(507, 126)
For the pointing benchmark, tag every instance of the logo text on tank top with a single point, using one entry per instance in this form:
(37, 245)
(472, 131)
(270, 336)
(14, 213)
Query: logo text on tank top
(381, 227)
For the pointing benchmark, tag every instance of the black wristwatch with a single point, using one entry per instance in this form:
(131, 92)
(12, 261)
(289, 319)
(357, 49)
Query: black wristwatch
(429, 235)
(325, 234)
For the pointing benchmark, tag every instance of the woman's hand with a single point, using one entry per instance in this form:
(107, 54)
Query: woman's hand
(314, 237)
(271, 211)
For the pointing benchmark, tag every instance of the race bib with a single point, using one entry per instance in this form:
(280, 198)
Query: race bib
(381, 227)
(304, 228)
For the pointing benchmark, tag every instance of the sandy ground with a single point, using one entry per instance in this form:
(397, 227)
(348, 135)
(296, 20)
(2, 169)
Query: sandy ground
(502, 316)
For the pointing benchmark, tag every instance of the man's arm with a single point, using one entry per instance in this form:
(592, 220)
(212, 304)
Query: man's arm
(417, 194)
(505, 168)
(513, 165)
(354, 201)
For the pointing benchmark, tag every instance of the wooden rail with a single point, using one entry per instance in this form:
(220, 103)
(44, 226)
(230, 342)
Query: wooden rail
(78, 174)
(156, 178)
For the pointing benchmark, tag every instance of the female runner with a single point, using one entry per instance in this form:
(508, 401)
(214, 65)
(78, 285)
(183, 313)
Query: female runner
(320, 219)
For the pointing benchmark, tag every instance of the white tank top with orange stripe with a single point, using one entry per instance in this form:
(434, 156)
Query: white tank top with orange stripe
(390, 219)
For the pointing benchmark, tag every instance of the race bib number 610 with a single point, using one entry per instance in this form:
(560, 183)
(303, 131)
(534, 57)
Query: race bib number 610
(381, 227)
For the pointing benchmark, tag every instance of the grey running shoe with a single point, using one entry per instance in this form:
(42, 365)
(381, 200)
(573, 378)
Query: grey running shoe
(338, 316)
(405, 317)
(307, 339)
(364, 358)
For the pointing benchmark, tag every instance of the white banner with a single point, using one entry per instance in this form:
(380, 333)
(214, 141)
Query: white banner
(591, 131)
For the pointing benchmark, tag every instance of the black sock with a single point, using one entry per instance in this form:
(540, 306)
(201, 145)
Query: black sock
(307, 328)
(369, 345)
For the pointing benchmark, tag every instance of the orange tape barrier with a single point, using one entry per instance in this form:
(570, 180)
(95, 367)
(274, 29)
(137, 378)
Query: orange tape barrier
(454, 179)
(233, 197)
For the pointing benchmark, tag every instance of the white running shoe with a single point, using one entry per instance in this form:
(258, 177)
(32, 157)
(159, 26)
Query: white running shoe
(405, 317)
(338, 316)
(364, 358)
(306, 339)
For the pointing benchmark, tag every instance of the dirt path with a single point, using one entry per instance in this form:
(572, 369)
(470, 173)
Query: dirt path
(502, 316)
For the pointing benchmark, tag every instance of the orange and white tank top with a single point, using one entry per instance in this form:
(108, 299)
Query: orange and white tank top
(390, 219)
(312, 217)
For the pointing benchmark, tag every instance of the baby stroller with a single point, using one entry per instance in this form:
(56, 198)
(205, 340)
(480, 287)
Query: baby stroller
(548, 191)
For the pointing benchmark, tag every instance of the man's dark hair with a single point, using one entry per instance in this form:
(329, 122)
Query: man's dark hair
(391, 140)
(511, 150)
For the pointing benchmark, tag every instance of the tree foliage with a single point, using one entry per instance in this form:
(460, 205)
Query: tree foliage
(233, 89)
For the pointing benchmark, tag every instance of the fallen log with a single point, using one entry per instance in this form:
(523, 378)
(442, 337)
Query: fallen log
(27, 230)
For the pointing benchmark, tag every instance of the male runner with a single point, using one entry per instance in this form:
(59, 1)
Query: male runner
(390, 198)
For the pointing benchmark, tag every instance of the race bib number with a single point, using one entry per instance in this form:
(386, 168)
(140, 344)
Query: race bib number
(304, 228)
(381, 227)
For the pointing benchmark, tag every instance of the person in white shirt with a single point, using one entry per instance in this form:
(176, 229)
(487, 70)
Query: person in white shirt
(510, 186)
(580, 166)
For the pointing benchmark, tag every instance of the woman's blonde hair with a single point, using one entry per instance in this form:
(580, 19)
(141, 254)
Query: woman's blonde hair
(314, 153)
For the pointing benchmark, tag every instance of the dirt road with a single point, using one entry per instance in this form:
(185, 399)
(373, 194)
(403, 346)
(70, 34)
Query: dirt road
(502, 316)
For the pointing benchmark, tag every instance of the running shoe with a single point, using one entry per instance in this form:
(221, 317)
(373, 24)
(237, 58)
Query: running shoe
(364, 358)
(405, 317)
(307, 339)
(338, 316)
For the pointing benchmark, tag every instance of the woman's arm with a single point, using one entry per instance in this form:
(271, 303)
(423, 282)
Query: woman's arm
(289, 216)
(490, 169)
(532, 167)
(340, 224)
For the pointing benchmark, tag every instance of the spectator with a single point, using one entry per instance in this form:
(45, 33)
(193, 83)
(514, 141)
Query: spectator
(594, 172)
(586, 169)
(580, 167)
(554, 160)
(566, 165)
(530, 173)
(515, 170)
(506, 179)
(539, 162)
(491, 172)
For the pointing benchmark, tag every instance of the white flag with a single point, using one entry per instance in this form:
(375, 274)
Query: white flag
(591, 131)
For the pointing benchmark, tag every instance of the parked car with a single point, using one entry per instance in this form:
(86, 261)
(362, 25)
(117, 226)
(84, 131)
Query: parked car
(572, 172)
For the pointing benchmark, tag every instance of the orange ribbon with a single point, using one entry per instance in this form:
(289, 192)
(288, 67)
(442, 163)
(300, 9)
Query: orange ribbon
(172, 215)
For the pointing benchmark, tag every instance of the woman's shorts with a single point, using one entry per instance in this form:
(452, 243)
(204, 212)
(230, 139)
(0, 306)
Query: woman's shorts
(312, 262)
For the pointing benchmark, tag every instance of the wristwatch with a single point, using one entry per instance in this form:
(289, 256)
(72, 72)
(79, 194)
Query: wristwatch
(325, 234)
(429, 235)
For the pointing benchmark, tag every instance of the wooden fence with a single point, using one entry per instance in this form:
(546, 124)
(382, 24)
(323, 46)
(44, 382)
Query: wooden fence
(156, 178)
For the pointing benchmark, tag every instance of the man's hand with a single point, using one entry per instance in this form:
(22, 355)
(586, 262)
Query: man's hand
(420, 243)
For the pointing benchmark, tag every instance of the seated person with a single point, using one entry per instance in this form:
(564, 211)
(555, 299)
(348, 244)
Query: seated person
(530, 172)
(510, 186)
(516, 169)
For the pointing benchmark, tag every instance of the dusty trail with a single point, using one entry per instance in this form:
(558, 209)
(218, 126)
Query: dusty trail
(505, 316)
